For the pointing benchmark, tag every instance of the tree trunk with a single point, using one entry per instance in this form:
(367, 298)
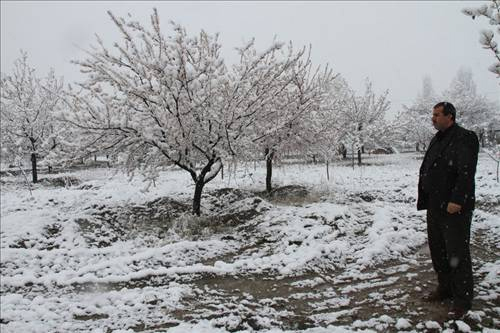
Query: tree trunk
(204, 177)
(343, 151)
(359, 156)
(222, 171)
(197, 196)
(314, 159)
(352, 155)
(269, 169)
(33, 168)
(327, 171)
(498, 167)
(481, 138)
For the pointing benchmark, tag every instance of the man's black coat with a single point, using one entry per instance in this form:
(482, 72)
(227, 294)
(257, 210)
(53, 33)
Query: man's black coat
(448, 170)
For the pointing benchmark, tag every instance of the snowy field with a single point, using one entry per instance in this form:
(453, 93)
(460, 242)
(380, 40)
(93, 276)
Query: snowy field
(90, 251)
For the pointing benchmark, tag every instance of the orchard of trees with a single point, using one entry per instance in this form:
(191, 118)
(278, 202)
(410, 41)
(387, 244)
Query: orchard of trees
(156, 99)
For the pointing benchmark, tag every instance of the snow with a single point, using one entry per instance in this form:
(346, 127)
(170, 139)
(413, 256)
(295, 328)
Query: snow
(432, 325)
(402, 324)
(207, 327)
(321, 251)
(462, 327)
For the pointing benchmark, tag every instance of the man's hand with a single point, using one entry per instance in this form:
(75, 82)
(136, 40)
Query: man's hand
(453, 208)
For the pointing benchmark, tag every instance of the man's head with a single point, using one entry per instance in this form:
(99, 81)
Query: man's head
(443, 115)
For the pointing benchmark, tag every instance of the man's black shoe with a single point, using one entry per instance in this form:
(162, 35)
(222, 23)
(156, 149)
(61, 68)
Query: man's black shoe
(436, 296)
(457, 313)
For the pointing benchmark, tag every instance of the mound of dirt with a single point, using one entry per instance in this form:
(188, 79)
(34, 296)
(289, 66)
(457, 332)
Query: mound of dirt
(60, 181)
(295, 195)
(231, 195)
(149, 222)
(158, 220)
(290, 191)
(233, 207)
(47, 241)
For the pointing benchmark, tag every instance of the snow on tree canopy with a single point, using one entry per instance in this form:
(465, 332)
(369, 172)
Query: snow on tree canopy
(170, 99)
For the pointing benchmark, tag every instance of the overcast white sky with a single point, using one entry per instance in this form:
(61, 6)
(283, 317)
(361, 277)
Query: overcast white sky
(393, 43)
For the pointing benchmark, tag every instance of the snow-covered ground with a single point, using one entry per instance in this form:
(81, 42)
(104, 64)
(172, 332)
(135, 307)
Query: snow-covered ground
(345, 254)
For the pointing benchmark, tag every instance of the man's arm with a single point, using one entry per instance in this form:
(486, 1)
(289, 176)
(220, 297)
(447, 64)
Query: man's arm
(467, 150)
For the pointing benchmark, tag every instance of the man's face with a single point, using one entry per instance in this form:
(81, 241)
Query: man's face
(439, 120)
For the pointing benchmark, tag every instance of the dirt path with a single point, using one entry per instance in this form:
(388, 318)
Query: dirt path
(376, 300)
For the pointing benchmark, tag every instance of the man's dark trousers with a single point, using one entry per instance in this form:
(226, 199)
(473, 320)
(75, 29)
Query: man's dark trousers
(449, 239)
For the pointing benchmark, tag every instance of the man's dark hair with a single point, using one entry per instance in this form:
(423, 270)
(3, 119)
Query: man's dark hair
(448, 108)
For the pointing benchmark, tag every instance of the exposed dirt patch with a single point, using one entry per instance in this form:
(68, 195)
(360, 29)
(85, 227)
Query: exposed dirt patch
(154, 328)
(396, 195)
(91, 316)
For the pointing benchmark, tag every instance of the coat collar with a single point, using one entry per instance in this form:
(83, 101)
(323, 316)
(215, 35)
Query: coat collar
(446, 137)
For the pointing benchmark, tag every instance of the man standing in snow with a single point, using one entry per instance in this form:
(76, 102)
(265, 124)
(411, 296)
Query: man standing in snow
(446, 190)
